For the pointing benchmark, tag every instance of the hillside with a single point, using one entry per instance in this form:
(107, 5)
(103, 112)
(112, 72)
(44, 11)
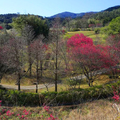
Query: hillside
(7, 18)
(112, 8)
(67, 14)
(107, 15)
(75, 15)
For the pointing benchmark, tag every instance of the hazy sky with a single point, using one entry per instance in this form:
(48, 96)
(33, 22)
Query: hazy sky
(50, 7)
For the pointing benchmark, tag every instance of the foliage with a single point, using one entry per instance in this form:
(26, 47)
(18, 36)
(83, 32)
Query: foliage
(79, 40)
(6, 19)
(1, 27)
(81, 23)
(39, 26)
(26, 114)
(75, 29)
(90, 58)
(97, 30)
(113, 27)
(106, 16)
(14, 97)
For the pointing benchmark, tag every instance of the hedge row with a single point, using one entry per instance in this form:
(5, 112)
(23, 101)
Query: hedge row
(14, 97)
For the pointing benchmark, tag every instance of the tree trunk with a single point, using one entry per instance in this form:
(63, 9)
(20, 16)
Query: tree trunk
(56, 81)
(18, 81)
(56, 65)
(41, 69)
(89, 83)
(36, 87)
(30, 66)
(30, 62)
(37, 77)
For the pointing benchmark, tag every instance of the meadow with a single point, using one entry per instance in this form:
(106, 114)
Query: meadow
(99, 38)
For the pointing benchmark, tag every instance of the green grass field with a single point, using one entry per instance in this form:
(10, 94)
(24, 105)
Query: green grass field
(87, 33)
(100, 38)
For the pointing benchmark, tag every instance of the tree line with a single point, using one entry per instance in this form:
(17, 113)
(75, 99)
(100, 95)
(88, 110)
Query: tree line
(86, 21)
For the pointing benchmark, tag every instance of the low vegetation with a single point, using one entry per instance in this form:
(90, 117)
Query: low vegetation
(98, 110)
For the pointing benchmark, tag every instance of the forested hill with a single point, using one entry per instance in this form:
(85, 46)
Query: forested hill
(75, 15)
(112, 8)
(7, 18)
(67, 14)
(107, 15)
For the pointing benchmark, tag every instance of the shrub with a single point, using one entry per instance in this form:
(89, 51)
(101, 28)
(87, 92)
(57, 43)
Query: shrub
(14, 97)
(97, 30)
(75, 29)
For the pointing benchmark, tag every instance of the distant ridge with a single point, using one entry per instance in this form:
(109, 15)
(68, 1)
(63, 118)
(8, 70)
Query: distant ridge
(64, 15)
(74, 15)
(112, 8)
(70, 14)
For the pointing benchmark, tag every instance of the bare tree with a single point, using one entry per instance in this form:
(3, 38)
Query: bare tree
(63, 54)
(38, 49)
(4, 36)
(68, 22)
(55, 36)
(14, 55)
(28, 36)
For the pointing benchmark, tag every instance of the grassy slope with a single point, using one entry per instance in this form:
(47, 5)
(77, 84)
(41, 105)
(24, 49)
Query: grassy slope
(101, 80)
(96, 37)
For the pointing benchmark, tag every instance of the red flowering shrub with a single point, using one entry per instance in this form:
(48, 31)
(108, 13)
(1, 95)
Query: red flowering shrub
(116, 93)
(89, 57)
(78, 41)
(25, 114)
(81, 49)
(1, 27)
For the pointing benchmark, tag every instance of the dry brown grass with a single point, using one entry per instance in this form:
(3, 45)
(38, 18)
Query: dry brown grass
(96, 110)
(11, 80)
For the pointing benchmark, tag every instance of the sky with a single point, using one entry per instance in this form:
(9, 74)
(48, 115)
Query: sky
(48, 8)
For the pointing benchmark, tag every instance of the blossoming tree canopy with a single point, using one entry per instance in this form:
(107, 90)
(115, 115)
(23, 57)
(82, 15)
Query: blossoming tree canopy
(79, 40)
(82, 50)
(89, 57)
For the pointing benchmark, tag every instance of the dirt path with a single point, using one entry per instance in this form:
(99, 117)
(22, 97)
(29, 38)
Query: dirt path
(41, 86)
(32, 87)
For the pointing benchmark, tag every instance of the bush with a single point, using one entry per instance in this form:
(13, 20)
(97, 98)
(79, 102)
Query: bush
(75, 29)
(14, 97)
(89, 29)
(97, 30)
